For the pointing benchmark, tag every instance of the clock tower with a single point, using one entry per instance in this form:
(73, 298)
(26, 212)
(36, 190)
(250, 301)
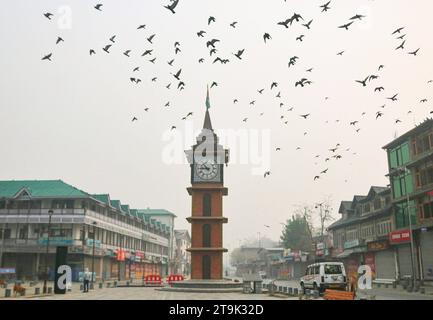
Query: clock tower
(207, 159)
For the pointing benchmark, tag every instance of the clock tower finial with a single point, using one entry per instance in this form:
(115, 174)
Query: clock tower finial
(207, 123)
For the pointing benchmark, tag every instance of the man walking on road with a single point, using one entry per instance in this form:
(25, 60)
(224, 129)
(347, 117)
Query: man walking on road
(86, 278)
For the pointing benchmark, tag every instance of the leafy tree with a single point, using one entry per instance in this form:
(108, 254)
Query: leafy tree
(296, 233)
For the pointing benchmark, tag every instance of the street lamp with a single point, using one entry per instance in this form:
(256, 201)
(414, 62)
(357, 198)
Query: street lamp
(406, 171)
(50, 213)
(93, 252)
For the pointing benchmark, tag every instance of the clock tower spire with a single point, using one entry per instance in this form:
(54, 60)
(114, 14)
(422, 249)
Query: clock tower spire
(207, 158)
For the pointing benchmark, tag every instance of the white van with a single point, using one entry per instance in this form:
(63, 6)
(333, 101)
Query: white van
(324, 275)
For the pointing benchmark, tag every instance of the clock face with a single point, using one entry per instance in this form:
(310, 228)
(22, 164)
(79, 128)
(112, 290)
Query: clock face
(207, 170)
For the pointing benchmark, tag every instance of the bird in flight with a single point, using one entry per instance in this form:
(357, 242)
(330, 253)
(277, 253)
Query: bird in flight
(214, 84)
(172, 6)
(170, 63)
(98, 6)
(151, 38)
(201, 33)
(285, 23)
(47, 57)
(414, 52)
(346, 26)
(177, 74)
(358, 16)
(266, 36)
(239, 54)
(274, 85)
(340, 53)
(307, 25)
(393, 98)
(423, 101)
(145, 53)
(48, 15)
(379, 89)
(401, 46)
(267, 173)
(134, 119)
(106, 48)
(378, 114)
(211, 19)
(325, 7)
(364, 83)
(305, 116)
(126, 53)
(300, 38)
(397, 31)
(381, 67)
(59, 39)
(152, 60)
(211, 43)
(91, 51)
(233, 24)
(260, 91)
(143, 26)
(316, 178)
(112, 38)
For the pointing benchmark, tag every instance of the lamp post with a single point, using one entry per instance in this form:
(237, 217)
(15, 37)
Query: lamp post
(93, 252)
(406, 171)
(50, 213)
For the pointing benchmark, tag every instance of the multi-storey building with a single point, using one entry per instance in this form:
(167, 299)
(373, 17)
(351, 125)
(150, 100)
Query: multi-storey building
(410, 163)
(182, 257)
(361, 236)
(101, 233)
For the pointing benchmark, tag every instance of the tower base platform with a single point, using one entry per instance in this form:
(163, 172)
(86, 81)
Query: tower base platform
(209, 286)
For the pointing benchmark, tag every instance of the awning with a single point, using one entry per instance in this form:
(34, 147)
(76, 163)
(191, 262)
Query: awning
(345, 253)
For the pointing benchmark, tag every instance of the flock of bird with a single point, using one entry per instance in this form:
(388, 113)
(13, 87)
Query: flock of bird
(366, 81)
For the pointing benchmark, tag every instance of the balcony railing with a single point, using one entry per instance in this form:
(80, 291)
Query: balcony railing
(75, 211)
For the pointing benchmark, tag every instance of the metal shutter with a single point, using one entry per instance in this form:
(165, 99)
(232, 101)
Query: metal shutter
(404, 260)
(427, 254)
(385, 264)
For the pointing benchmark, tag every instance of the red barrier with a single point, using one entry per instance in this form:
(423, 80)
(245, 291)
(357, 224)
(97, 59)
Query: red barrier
(175, 277)
(153, 280)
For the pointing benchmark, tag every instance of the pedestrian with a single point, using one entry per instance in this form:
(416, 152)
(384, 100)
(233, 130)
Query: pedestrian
(86, 279)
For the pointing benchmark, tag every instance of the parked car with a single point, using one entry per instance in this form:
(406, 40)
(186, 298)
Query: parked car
(324, 275)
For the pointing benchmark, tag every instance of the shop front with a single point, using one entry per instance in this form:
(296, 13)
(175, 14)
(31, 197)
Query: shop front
(401, 241)
(384, 259)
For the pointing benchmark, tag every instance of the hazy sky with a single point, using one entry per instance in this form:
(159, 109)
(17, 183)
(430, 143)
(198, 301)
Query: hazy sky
(70, 119)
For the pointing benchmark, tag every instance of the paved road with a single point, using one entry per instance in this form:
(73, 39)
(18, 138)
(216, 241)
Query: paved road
(143, 293)
(376, 293)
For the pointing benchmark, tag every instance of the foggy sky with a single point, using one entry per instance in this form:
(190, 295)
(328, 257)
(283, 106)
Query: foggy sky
(70, 119)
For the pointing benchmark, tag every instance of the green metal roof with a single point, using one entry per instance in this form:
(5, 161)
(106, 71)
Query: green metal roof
(116, 204)
(105, 198)
(125, 208)
(157, 212)
(40, 188)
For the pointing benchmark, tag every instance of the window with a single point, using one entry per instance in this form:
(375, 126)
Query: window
(206, 235)
(401, 214)
(207, 205)
(383, 227)
(6, 235)
(427, 210)
(332, 269)
(402, 184)
(23, 233)
(366, 207)
(399, 155)
(377, 204)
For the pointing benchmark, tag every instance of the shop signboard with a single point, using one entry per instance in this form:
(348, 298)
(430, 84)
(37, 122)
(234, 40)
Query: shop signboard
(351, 244)
(397, 237)
(56, 241)
(378, 245)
